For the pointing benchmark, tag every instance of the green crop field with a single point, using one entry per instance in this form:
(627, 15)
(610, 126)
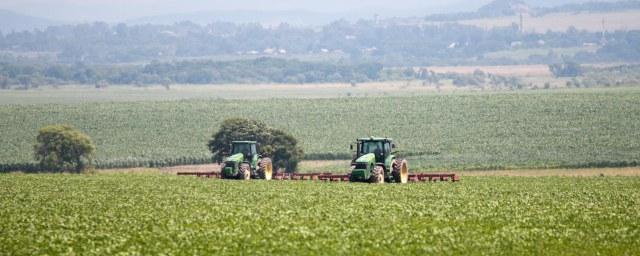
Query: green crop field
(105, 214)
(570, 128)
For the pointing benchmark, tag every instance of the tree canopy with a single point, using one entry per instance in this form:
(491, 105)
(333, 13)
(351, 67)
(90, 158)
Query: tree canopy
(566, 69)
(63, 148)
(277, 144)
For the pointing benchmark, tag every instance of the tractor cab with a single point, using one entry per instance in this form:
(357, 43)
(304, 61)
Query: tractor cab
(247, 148)
(380, 147)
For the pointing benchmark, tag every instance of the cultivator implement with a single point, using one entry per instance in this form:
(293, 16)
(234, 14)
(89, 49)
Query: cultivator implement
(330, 177)
(216, 175)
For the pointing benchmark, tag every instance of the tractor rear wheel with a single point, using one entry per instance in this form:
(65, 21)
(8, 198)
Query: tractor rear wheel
(377, 175)
(265, 169)
(400, 171)
(245, 171)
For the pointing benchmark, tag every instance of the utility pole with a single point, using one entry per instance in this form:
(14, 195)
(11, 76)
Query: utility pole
(603, 39)
(521, 23)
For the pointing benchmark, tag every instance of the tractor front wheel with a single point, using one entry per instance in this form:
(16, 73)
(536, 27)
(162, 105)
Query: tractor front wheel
(377, 175)
(245, 171)
(265, 168)
(400, 171)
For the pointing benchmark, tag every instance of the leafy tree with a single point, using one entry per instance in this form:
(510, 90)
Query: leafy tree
(63, 148)
(4, 82)
(566, 69)
(277, 144)
(283, 147)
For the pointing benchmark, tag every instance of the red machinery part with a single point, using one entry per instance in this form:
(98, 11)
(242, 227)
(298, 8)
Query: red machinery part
(201, 174)
(327, 176)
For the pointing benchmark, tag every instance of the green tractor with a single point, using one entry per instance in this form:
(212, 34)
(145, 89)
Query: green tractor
(374, 162)
(245, 163)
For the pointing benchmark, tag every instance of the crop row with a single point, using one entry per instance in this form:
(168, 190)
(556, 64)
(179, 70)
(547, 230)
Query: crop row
(165, 214)
(536, 129)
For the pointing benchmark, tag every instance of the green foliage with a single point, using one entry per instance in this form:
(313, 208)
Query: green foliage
(236, 129)
(165, 214)
(4, 82)
(623, 75)
(284, 149)
(566, 69)
(261, 70)
(63, 148)
(545, 128)
(410, 43)
(476, 79)
(277, 144)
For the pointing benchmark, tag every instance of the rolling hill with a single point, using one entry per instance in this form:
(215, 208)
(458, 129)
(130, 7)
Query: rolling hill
(13, 21)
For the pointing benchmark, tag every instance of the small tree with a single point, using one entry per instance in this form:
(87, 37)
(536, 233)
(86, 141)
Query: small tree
(101, 84)
(63, 148)
(277, 144)
(284, 150)
(4, 82)
(566, 69)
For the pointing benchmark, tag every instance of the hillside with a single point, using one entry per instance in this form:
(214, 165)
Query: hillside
(12, 21)
(502, 8)
(560, 22)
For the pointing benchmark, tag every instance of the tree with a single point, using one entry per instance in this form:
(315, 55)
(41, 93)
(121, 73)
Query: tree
(566, 69)
(63, 148)
(4, 82)
(277, 144)
(284, 150)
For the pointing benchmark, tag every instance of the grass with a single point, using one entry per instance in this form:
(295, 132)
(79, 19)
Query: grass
(125, 93)
(564, 128)
(165, 214)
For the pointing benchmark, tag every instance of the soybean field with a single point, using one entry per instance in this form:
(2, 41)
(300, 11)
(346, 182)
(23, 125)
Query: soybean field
(538, 129)
(151, 214)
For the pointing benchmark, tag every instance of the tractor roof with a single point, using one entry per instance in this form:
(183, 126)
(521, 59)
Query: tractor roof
(244, 142)
(375, 139)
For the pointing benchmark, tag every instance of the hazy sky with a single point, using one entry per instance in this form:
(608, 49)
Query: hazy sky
(118, 10)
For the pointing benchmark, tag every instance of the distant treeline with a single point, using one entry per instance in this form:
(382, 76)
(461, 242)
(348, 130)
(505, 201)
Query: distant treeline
(362, 41)
(261, 70)
(500, 8)
(272, 70)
